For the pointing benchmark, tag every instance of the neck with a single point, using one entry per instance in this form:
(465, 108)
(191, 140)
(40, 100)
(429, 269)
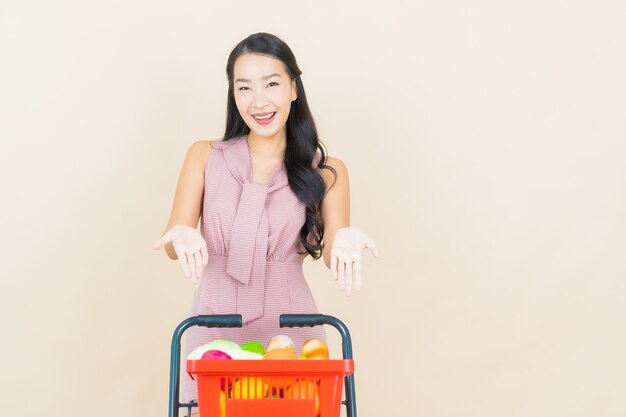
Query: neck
(267, 146)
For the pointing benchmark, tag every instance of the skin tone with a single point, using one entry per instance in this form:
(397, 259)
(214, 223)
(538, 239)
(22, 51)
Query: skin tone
(261, 85)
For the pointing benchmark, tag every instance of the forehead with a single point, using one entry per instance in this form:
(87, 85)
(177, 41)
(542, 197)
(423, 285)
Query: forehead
(255, 66)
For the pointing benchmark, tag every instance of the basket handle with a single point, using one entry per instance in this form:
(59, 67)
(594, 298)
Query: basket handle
(310, 320)
(222, 320)
(301, 320)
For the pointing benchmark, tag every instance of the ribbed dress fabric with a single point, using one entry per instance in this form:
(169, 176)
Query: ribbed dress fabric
(252, 232)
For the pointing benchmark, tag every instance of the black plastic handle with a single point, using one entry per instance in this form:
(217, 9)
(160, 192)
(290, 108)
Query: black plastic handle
(301, 320)
(220, 320)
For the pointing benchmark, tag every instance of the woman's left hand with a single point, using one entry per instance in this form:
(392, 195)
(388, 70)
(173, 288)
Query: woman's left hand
(345, 257)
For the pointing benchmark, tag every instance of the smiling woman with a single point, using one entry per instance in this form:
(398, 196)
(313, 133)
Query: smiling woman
(267, 196)
(266, 96)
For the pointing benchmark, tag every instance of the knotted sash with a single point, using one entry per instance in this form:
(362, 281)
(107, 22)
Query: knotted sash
(247, 252)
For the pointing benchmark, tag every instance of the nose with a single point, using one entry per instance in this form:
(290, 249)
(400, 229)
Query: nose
(259, 98)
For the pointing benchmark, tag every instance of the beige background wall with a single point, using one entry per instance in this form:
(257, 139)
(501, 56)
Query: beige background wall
(485, 142)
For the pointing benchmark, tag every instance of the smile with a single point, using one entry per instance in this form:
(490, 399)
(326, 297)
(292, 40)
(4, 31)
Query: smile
(264, 120)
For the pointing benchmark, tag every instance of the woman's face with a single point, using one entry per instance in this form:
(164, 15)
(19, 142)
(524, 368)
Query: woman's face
(263, 93)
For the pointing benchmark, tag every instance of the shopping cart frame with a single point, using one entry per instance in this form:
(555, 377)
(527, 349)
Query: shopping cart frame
(234, 320)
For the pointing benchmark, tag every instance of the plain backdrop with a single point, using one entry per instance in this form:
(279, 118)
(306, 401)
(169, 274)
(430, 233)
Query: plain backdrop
(485, 142)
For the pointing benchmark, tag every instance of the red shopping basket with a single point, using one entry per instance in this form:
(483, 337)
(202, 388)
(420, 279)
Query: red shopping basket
(267, 388)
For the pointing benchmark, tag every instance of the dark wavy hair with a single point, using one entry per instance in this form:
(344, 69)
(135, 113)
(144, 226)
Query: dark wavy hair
(302, 139)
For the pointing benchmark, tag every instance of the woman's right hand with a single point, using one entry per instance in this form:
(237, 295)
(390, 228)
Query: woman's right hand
(190, 248)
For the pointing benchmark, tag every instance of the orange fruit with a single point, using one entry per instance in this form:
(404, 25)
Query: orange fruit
(278, 382)
(249, 388)
(304, 390)
(315, 349)
(281, 353)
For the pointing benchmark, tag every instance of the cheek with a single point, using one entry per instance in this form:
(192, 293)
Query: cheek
(282, 96)
(241, 102)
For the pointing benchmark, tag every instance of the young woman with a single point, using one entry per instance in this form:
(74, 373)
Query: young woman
(268, 196)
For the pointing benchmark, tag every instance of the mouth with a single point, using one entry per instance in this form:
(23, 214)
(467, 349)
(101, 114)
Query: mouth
(264, 118)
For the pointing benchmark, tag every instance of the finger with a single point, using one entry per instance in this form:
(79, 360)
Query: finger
(357, 274)
(159, 243)
(333, 266)
(194, 280)
(182, 260)
(369, 243)
(192, 265)
(341, 276)
(349, 278)
(205, 255)
(197, 256)
(166, 238)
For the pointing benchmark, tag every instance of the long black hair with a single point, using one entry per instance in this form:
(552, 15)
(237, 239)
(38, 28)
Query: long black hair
(302, 139)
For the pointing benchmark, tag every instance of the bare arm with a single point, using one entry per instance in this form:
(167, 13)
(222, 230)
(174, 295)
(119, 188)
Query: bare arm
(187, 204)
(335, 211)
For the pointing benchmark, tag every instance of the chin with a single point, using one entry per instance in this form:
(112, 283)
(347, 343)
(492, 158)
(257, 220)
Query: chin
(265, 133)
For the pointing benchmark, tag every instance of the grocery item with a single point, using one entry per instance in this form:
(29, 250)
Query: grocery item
(280, 353)
(315, 349)
(222, 403)
(249, 388)
(214, 354)
(244, 354)
(219, 344)
(253, 346)
(280, 342)
(304, 390)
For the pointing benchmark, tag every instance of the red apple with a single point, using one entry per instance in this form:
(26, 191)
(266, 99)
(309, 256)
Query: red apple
(215, 354)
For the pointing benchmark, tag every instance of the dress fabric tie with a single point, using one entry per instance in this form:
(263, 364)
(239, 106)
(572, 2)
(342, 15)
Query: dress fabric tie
(248, 239)
(248, 248)
(248, 251)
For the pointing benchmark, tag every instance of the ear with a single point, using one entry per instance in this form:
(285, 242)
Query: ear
(294, 90)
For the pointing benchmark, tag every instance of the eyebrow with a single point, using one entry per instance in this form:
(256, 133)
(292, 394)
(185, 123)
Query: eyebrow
(246, 80)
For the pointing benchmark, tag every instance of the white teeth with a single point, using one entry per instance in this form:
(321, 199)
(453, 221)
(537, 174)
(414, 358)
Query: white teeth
(264, 117)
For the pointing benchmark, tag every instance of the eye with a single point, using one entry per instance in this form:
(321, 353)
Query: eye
(241, 88)
(273, 83)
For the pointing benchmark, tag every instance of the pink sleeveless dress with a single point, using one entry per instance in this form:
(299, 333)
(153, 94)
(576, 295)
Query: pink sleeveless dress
(252, 233)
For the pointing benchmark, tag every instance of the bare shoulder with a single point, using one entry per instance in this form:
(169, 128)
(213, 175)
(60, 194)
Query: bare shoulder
(198, 154)
(201, 147)
(340, 174)
(336, 163)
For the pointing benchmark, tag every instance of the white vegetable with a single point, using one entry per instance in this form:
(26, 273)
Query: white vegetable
(219, 344)
(243, 354)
